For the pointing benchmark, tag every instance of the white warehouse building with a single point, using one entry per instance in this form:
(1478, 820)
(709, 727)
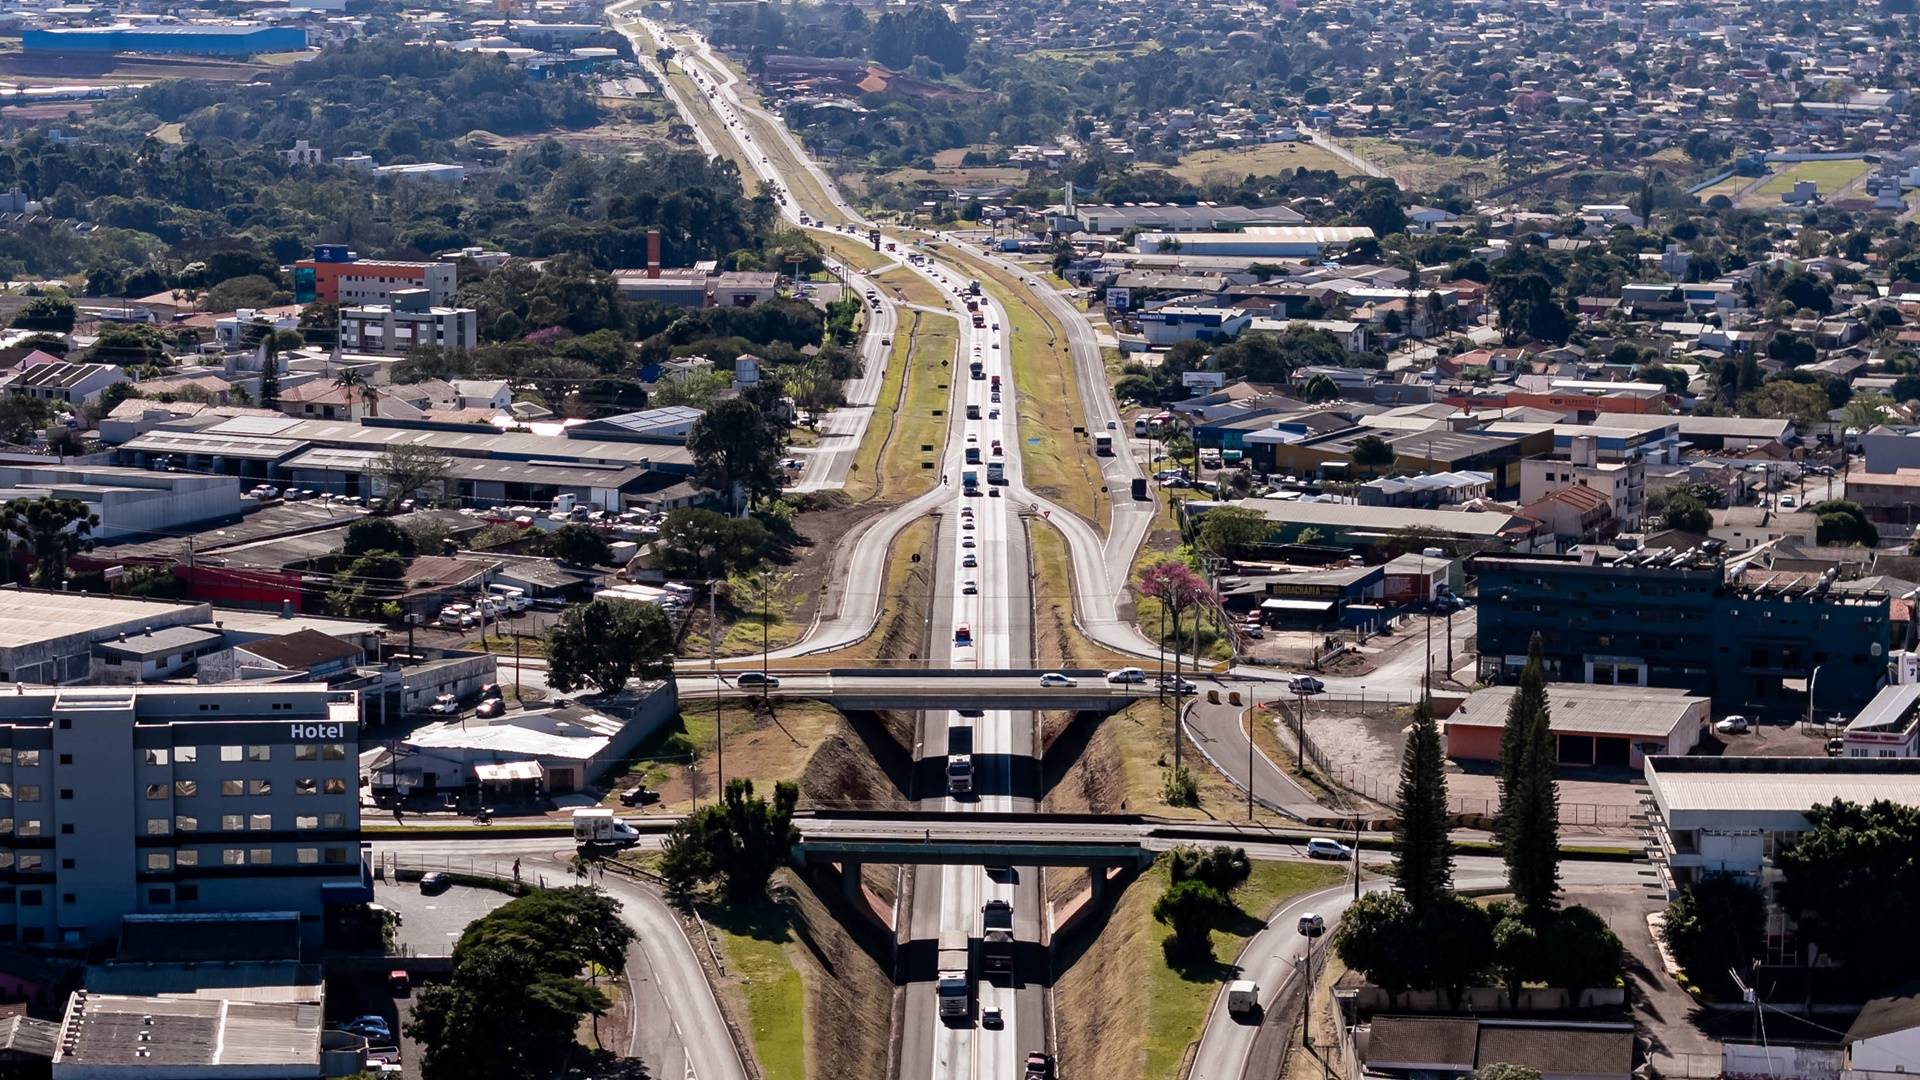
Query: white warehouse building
(1264, 241)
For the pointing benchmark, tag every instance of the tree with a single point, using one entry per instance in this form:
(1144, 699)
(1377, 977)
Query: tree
(1456, 944)
(1177, 588)
(608, 642)
(739, 843)
(1684, 512)
(1866, 411)
(1319, 389)
(1528, 821)
(272, 344)
(515, 997)
(1380, 938)
(704, 544)
(50, 312)
(736, 448)
(1849, 877)
(1372, 453)
(378, 534)
(1578, 951)
(355, 383)
(1804, 404)
(1423, 861)
(580, 545)
(409, 470)
(1227, 529)
(1191, 908)
(52, 531)
(1843, 521)
(814, 390)
(1220, 866)
(1500, 1070)
(1714, 926)
(1516, 948)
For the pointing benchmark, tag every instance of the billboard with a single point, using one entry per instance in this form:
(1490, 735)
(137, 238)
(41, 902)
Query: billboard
(1119, 299)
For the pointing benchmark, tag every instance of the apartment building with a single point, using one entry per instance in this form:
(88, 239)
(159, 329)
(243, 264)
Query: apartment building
(175, 799)
(409, 320)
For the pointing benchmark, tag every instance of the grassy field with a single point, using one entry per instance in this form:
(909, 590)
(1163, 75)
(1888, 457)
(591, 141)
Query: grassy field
(1125, 1012)
(957, 176)
(890, 464)
(855, 253)
(763, 983)
(1267, 159)
(1831, 176)
(1728, 187)
(763, 746)
(1055, 638)
(1419, 169)
(906, 285)
(1057, 463)
(709, 121)
(743, 623)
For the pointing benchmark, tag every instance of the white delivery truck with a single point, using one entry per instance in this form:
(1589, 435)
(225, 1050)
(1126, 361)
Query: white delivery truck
(954, 977)
(596, 826)
(1243, 997)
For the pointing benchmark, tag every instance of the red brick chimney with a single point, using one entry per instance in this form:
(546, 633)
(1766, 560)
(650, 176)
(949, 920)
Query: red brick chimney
(653, 253)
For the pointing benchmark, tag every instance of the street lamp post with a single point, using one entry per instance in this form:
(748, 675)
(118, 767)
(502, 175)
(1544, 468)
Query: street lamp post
(1253, 717)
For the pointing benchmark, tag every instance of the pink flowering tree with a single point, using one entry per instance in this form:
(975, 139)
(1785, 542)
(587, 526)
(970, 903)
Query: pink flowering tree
(1178, 588)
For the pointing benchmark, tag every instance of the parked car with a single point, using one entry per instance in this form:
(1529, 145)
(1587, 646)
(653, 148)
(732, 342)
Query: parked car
(444, 705)
(435, 881)
(1733, 725)
(639, 796)
(1054, 678)
(490, 708)
(1322, 848)
(1253, 630)
(755, 678)
(370, 1027)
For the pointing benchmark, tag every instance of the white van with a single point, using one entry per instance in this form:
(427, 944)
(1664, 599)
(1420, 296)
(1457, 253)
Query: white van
(514, 598)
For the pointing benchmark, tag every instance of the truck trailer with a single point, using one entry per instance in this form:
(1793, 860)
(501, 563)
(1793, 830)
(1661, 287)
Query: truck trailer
(960, 759)
(954, 983)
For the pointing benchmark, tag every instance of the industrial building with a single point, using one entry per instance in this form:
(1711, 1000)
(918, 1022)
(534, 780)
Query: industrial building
(1350, 525)
(336, 275)
(1616, 726)
(1110, 219)
(129, 502)
(486, 467)
(1266, 241)
(191, 40)
(165, 799)
(1686, 620)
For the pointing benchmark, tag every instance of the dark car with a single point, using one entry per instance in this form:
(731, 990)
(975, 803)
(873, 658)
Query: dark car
(435, 882)
(490, 707)
(639, 796)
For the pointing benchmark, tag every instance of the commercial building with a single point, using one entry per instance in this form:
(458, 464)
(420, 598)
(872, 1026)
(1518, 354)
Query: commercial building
(192, 40)
(1453, 447)
(335, 275)
(1349, 525)
(1891, 447)
(1728, 815)
(1450, 1046)
(1180, 322)
(408, 321)
(1323, 599)
(522, 756)
(1267, 241)
(1617, 475)
(163, 799)
(1681, 619)
(1889, 726)
(1606, 726)
(1579, 400)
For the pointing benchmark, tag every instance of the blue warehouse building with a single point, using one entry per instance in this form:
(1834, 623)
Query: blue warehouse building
(1684, 620)
(184, 40)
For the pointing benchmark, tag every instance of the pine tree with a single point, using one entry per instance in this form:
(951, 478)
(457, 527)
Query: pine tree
(1528, 823)
(1424, 866)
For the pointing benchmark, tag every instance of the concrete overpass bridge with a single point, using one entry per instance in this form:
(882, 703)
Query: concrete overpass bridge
(960, 689)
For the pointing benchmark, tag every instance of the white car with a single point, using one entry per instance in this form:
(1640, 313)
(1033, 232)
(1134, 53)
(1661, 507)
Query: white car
(969, 560)
(1054, 678)
(1127, 675)
(444, 705)
(1322, 848)
(1733, 725)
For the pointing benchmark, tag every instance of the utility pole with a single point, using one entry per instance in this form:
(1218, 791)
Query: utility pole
(1253, 717)
(713, 673)
(1300, 731)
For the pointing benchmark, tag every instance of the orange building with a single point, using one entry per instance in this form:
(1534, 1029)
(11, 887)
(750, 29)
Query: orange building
(337, 276)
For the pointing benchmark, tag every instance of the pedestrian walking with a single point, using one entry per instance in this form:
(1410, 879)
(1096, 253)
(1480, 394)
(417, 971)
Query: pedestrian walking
(516, 871)
(399, 816)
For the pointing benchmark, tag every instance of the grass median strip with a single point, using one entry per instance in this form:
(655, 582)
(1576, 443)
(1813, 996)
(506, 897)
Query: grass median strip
(911, 287)
(761, 976)
(709, 121)
(890, 463)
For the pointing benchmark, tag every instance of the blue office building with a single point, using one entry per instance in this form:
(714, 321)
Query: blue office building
(1684, 620)
(195, 40)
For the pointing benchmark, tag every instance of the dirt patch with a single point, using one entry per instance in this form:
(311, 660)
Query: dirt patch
(1082, 767)
(845, 964)
(859, 765)
(801, 566)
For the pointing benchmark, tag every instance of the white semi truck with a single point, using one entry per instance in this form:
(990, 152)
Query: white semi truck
(954, 983)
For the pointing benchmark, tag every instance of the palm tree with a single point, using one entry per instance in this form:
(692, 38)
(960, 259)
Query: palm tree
(353, 382)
